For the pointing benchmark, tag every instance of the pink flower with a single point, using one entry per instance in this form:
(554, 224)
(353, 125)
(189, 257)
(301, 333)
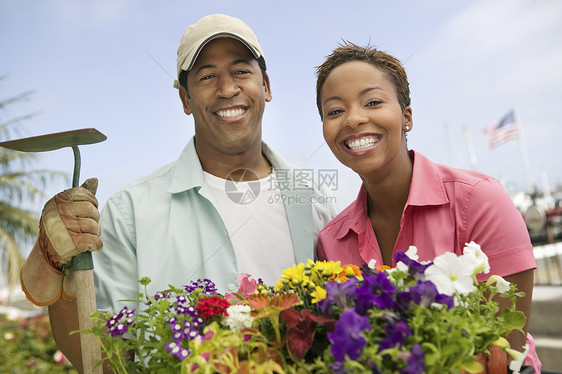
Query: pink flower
(247, 287)
(59, 358)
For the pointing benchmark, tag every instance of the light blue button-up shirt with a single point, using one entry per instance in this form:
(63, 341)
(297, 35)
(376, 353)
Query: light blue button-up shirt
(165, 226)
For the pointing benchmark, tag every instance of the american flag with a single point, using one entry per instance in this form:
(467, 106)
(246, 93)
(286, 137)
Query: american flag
(503, 130)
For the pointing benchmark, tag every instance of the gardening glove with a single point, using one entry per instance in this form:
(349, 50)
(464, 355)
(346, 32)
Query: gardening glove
(68, 226)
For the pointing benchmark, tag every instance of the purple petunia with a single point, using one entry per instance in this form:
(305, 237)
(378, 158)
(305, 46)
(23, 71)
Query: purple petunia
(396, 335)
(207, 287)
(337, 367)
(375, 290)
(177, 350)
(119, 323)
(424, 293)
(186, 309)
(337, 294)
(161, 295)
(414, 267)
(182, 331)
(416, 361)
(346, 340)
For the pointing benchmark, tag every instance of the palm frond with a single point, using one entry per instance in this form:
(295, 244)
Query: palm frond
(11, 257)
(20, 185)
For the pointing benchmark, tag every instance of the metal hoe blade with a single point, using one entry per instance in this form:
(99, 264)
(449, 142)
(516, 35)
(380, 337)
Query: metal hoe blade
(82, 264)
(58, 140)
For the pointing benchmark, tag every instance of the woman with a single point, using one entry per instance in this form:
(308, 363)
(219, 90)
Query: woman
(364, 100)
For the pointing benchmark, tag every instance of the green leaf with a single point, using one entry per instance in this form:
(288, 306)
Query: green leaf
(471, 367)
(514, 319)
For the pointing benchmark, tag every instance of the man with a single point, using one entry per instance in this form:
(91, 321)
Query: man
(229, 204)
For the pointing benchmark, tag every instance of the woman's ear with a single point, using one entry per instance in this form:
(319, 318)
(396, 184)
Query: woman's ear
(407, 121)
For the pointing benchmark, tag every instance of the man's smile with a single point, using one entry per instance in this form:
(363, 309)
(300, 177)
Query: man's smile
(231, 113)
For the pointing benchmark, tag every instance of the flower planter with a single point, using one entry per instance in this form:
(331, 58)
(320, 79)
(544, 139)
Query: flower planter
(322, 309)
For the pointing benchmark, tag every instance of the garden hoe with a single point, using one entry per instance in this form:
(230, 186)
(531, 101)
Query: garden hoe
(82, 264)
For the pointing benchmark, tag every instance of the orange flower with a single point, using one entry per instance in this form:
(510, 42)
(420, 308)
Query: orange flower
(348, 271)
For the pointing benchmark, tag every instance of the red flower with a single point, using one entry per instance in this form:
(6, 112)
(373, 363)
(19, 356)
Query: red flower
(210, 306)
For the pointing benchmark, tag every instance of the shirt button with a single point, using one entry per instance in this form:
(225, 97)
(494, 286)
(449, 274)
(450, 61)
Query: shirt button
(231, 287)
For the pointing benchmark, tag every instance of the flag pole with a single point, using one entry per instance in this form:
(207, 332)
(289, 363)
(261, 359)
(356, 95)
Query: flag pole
(524, 154)
(470, 149)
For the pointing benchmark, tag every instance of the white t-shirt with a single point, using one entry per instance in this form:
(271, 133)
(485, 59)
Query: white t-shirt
(256, 221)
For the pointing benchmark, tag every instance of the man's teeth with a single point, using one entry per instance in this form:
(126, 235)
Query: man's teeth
(361, 143)
(230, 112)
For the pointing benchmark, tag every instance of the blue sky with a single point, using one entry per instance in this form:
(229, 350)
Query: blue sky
(108, 64)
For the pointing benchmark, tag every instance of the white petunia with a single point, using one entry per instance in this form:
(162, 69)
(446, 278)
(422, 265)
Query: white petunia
(518, 358)
(402, 267)
(477, 257)
(412, 252)
(450, 274)
(372, 264)
(501, 284)
(238, 317)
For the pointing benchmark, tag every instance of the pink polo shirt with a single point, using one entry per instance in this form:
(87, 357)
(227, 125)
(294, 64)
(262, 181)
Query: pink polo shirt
(446, 208)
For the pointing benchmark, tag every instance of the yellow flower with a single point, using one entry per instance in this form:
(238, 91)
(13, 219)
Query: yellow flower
(323, 270)
(318, 294)
(329, 268)
(294, 276)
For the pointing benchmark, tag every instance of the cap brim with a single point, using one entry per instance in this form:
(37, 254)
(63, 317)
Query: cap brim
(204, 42)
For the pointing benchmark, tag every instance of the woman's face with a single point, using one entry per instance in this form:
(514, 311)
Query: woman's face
(363, 123)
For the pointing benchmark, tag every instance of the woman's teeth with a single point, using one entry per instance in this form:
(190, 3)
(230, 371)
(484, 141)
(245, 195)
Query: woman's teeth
(361, 143)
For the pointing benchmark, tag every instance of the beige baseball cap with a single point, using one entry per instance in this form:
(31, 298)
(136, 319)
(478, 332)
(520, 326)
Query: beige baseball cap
(212, 27)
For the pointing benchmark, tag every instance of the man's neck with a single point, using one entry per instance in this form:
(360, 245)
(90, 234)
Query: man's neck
(249, 165)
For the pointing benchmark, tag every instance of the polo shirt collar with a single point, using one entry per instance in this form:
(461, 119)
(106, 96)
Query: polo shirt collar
(357, 215)
(188, 172)
(275, 158)
(426, 189)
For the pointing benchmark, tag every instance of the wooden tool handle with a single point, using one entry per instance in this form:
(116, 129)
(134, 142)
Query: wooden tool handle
(86, 304)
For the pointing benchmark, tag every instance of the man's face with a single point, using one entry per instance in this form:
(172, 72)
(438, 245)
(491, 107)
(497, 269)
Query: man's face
(227, 95)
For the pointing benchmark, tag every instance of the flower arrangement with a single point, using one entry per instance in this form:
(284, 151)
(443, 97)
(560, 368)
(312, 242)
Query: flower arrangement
(323, 317)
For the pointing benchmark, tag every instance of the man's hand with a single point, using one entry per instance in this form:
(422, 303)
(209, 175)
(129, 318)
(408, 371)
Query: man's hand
(68, 226)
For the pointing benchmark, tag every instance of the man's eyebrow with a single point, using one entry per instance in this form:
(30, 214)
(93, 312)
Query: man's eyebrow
(203, 67)
(241, 61)
(211, 66)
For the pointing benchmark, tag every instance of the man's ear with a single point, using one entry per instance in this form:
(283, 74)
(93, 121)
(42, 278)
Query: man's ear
(184, 97)
(268, 95)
